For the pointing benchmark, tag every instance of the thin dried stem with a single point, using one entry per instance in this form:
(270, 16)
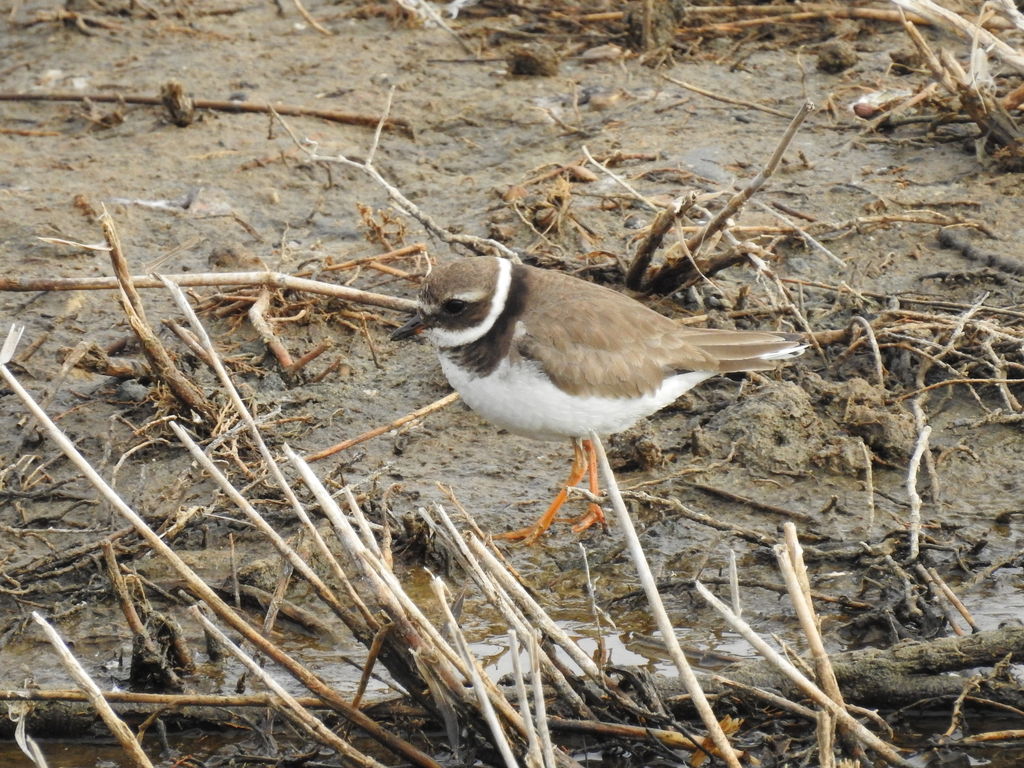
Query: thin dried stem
(310, 20)
(540, 717)
(269, 279)
(875, 351)
(940, 598)
(671, 276)
(533, 754)
(285, 702)
(116, 725)
(500, 739)
(393, 123)
(619, 180)
(650, 587)
(417, 414)
(259, 321)
(789, 556)
(734, 584)
(738, 199)
(783, 664)
(481, 245)
(954, 599)
(924, 431)
(725, 99)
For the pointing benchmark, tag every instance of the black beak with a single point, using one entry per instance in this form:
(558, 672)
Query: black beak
(411, 328)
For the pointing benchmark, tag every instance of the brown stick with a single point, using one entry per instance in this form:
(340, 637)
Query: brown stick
(730, 496)
(369, 121)
(304, 360)
(672, 739)
(266, 330)
(725, 99)
(116, 725)
(173, 700)
(656, 232)
(269, 279)
(950, 382)
(189, 340)
(434, 406)
(408, 250)
(668, 278)
(160, 362)
(131, 615)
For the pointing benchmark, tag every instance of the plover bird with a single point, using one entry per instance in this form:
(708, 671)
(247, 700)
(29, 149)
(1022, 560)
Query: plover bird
(551, 357)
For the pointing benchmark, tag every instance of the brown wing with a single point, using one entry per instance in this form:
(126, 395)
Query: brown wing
(606, 343)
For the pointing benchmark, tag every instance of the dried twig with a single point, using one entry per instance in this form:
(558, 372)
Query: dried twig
(656, 232)
(390, 123)
(260, 323)
(940, 597)
(789, 557)
(813, 242)
(668, 635)
(912, 468)
(876, 353)
(670, 276)
(417, 414)
(800, 680)
(310, 20)
(476, 678)
(726, 99)
(190, 280)
(482, 245)
(121, 732)
(187, 393)
(620, 181)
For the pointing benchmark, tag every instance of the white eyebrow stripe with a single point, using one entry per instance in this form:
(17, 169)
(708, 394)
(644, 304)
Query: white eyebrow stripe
(445, 338)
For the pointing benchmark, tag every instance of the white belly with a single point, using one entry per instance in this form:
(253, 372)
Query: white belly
(520, 399)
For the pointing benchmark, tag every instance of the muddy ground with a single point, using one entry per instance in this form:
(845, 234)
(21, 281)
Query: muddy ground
(231, 192)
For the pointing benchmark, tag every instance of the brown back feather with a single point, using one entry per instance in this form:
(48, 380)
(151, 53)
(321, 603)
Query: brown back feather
(614, 346)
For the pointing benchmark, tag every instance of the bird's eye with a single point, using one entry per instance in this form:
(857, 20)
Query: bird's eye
(454, 307)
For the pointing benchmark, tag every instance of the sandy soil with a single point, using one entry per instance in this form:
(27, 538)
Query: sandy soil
(232, 191)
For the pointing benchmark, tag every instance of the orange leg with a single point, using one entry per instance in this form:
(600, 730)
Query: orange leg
(535, 531)
(594, 512)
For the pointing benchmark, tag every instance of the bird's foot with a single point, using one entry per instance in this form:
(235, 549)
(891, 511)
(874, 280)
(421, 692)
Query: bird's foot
(528, 535)
(594, 515)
